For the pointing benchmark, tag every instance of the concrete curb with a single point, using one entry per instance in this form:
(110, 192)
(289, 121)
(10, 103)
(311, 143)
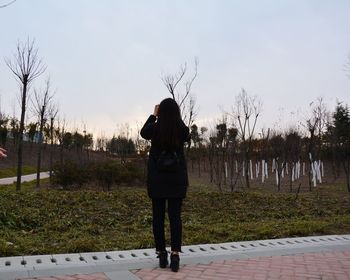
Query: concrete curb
(118, 263)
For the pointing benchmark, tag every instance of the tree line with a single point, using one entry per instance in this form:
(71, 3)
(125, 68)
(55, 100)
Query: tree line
(26, 66)
(231, 152)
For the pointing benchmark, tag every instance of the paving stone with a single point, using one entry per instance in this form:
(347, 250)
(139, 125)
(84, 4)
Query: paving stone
(62, 270)
(118, 275)
(281, 267)
(13, 275)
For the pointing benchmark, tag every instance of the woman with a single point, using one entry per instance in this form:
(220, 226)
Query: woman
(167, 178)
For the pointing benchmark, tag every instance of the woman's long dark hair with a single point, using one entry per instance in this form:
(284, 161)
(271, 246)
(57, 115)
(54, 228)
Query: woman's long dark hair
(169, 124)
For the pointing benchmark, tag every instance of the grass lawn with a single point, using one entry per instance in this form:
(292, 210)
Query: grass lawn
(54, 221)
(11, 172)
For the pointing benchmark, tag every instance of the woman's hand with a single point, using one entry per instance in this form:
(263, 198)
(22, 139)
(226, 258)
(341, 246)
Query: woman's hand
(156, 110)
(2, 153)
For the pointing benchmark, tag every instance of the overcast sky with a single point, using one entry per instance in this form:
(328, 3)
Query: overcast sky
(106, 58)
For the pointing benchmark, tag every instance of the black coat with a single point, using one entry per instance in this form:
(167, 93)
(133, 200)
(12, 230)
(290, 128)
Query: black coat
(164, 184)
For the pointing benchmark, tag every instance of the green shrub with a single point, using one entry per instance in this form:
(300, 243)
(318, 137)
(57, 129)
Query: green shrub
(71, 174)
(105, 174)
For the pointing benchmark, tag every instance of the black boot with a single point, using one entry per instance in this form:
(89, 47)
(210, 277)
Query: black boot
(174, 262)
(163, 259)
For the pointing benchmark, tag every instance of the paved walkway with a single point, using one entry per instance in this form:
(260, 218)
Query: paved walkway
(325, 266)
(25, 178)
(93, 276)
(316, 257)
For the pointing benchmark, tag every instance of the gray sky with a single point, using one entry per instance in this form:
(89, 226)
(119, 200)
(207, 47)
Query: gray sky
(106, 57)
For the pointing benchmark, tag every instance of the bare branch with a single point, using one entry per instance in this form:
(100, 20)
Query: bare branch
(171, 81)
(8, 4)
(184, 98)
(53, 111)
(26, 65)
(246, 107)
(192, 110)
(42, 103)
(190, 82)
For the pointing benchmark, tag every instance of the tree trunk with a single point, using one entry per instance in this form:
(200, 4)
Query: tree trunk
(38, 167)
(346, 165)
(20, 136)
(231, 158)
(310, 171)
(290, 165)
(51, 149)
(223, 164)
(218, 171)
(279, 174)
(310, 157)
(211, 168)
(246, 171)
(61, 154)
(199, 166)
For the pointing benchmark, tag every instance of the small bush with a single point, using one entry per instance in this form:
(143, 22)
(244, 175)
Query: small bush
(105, 174)
(71, 174)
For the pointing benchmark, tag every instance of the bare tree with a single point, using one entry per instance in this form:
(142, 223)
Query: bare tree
(292, 153)
(101, 143)
(322, 114)
(61, 136)
(315, 124)
(26, 66)
(42, 105)
(277, 146)
(183, 97)
(246, 114)
(220, 152)
(311, 125)
(53, 111)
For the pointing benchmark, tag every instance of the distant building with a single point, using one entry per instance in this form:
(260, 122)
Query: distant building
(26, 138)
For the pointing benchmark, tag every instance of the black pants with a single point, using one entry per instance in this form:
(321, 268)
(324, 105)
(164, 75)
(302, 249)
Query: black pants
(174, 213)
